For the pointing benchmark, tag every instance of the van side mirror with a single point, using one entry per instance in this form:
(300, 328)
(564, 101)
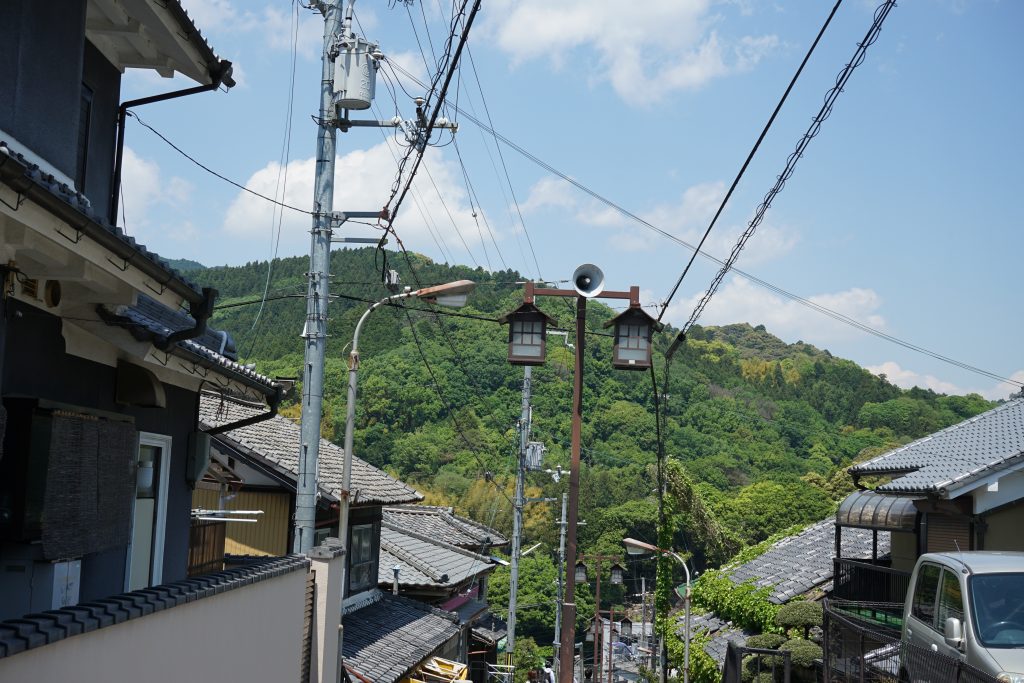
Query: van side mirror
(953, 632)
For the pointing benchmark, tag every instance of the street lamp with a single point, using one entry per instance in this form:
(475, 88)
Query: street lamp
(527, 331)
(635, 547)
(449, 294)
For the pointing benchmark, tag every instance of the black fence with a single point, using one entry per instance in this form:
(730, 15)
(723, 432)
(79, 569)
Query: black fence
(860, 650)
(757, 664)
(864, 581)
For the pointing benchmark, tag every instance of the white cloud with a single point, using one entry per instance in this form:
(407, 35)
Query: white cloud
(274, 25)
(906, 379)
(151, 202)
(644, 49)
(549, 192)
(364, 179)
(739, 300)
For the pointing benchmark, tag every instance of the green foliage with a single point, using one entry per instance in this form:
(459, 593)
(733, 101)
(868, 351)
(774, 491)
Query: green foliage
(803, 614)
(803, 652)
(703, 667)
(744, 604)
(766, 641)
(535, 598)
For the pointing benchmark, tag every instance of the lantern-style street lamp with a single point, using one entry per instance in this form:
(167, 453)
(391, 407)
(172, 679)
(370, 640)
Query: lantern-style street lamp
(626, 627)
(617, 571)
(527, 331)
(527, 334)
(633, 331)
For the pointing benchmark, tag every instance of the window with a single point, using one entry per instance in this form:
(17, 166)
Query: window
(925, 591)
(362, 567)
(951, 601)
(149, 516)
(527, 337)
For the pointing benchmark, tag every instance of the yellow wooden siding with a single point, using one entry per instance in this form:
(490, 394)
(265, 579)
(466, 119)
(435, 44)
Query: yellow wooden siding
(268, 536)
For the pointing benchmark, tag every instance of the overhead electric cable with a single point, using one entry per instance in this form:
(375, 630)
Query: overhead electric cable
(210, 170)
(835, 315)
(812, 131)
(750, 156)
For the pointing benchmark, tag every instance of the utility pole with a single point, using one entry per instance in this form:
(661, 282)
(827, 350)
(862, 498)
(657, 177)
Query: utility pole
(561, 578)
(317, 293)
(517, 513)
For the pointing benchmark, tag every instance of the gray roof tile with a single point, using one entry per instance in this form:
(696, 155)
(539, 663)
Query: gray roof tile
(388, 638)
(444, 525)
(798, 563)
(424, 561)
(276, 441)
(949, 459)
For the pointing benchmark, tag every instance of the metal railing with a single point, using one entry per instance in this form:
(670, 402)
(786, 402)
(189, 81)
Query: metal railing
(748, 663)
(866, 582)
(860, 651)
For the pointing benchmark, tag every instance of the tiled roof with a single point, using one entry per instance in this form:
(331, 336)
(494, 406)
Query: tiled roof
(949, 459)
(444, 525)
(148, 319)
(798, 563)
(425, 562)
(490, 628)
(720, 634)
(276, 441)
(385, 640)
(31, 175)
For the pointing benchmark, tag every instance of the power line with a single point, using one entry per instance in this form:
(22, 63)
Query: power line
(211, 171)
(750, 156)
(812, 131)
(835, 315)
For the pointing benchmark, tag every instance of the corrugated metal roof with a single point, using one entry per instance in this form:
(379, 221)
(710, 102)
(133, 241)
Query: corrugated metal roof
(870, 510)
(443, 524)
(277, 442)
(385, 640)
(954, 457)
(798, 563)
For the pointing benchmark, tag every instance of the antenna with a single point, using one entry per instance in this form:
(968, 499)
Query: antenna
(966, 569)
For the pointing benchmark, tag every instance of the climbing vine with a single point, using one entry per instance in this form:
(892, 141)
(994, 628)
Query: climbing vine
(744, 604)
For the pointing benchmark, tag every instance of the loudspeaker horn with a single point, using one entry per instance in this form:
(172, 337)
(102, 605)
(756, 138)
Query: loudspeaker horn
(588, 280)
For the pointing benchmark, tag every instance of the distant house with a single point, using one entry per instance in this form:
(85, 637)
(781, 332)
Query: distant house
(959, 488)
(441, 559)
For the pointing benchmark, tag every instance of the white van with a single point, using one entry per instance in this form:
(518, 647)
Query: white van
(969, 606)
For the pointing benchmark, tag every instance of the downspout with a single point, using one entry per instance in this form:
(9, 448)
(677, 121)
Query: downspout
(221, 75)
(272, 402)
(201, 311)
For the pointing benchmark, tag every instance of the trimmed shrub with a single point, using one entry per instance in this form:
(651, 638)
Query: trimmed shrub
(802, 652)
(801, 614)
(767, 641)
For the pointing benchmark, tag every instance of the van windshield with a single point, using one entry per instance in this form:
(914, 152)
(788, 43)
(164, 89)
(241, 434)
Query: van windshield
(997, 604)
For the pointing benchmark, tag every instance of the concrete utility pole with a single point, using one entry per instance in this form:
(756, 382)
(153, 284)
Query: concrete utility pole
(517, 513)
(317, 293)
(561, 579)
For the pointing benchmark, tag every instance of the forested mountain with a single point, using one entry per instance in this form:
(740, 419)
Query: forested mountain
(761, 427)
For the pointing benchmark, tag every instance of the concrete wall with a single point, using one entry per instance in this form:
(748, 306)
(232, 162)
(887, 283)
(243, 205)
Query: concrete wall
(251, 633)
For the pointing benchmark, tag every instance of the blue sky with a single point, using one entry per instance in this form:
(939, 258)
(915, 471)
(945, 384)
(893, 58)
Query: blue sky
(902, 214)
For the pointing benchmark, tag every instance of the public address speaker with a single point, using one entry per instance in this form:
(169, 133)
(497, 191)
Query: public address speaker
(588, 280)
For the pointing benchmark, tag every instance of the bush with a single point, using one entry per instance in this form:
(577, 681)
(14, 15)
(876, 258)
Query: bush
(800, 614)
(767, 641)
(802, 652)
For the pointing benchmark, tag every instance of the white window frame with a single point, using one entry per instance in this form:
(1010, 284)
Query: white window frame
(156, 567)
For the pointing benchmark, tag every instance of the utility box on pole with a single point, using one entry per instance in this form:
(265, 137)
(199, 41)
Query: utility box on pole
(355, 72)
(535, 455)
